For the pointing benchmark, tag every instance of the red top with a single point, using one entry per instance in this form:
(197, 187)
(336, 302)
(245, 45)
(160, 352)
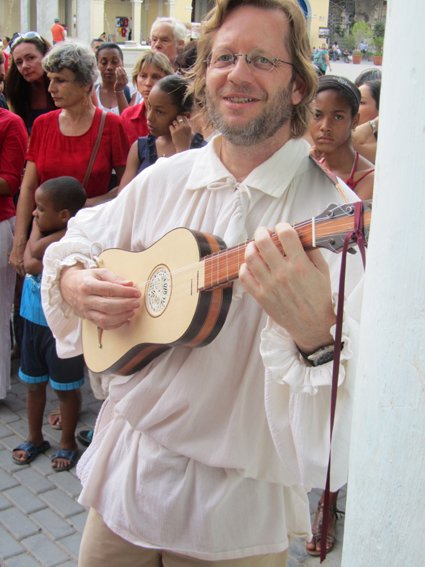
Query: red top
(55, 154)
(352, 184)
(13, 145)
(58, 32)
(135, 121)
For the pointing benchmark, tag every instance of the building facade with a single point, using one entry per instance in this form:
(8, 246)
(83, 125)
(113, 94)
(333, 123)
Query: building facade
(125, 21)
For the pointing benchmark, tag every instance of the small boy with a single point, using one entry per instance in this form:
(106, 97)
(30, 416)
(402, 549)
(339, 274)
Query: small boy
(57, 200)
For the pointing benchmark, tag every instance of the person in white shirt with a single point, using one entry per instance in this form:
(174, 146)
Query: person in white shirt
(205, 455)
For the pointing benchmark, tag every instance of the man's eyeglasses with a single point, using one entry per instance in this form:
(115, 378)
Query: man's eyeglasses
(226, 60)
(22, 37)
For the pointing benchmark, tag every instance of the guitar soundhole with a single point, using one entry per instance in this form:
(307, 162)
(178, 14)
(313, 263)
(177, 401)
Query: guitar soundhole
(158, 291)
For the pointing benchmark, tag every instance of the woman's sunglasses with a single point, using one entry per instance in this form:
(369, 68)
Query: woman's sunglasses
(25, 36)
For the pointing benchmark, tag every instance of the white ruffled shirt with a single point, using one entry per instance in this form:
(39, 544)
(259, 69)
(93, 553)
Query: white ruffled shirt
(208, 452)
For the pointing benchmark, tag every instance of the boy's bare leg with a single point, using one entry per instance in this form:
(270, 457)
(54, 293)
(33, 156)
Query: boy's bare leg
(36, 402)
(69, 403)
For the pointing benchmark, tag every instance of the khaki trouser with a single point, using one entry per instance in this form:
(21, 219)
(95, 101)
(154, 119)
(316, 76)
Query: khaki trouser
(100, 547)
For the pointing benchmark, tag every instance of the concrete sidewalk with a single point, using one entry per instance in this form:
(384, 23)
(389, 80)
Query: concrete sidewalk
(349, 70)
(40, 519)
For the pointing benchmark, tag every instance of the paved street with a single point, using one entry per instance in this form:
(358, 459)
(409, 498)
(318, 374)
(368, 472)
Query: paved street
(40, 519)
(349, 70)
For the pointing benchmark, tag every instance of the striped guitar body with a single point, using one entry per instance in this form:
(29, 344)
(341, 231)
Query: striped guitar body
(176, 309)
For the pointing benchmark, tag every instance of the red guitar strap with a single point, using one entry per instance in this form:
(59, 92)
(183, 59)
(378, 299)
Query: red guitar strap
(357, 235)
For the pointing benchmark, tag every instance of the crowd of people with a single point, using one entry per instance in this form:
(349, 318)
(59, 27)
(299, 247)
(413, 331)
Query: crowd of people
(202, 455)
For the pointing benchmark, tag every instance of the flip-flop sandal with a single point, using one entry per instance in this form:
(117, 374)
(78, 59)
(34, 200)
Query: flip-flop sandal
(32, 451)
(67, 455)
(54, 419)
(85, 437)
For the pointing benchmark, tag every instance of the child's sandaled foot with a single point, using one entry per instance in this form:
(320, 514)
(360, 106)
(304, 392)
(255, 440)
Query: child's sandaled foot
(26, 452)
(64, 459)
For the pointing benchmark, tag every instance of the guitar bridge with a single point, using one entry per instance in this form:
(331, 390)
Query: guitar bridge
(99, 337)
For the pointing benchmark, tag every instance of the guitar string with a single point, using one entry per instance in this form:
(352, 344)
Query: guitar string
(339, 225)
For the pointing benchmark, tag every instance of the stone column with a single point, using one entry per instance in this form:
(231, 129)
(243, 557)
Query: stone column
(90, 19)
(386, 496)
(25, 16)
(47, 11)
(136, 11)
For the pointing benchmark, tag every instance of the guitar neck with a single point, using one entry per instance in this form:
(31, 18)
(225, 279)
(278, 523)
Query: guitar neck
(325, 231)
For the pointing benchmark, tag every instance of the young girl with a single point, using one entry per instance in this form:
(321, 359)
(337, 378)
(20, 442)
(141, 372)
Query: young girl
(148, 70)
(112, 92)
(168, 113)
(335, 115)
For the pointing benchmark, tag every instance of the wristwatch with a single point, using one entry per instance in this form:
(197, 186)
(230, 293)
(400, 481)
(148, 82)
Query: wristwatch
(321, 356)
(372, 124)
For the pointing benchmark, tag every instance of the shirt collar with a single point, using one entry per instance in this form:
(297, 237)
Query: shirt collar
(140, 111)
(272, 177)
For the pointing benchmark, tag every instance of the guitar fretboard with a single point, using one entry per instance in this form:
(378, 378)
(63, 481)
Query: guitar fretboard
(223, 267)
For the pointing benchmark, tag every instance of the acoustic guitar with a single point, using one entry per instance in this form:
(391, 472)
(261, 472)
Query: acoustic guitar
(186, 283)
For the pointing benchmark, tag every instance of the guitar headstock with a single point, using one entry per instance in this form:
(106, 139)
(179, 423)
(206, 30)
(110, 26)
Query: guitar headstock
(336, 221)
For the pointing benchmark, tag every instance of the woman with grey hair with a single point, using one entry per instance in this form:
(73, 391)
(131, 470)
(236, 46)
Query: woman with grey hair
(63, 141)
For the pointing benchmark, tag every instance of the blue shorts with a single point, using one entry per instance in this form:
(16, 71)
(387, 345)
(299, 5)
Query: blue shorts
(40, 363)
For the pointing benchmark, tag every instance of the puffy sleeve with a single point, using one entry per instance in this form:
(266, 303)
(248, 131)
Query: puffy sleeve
(297, 400)
(88, 234)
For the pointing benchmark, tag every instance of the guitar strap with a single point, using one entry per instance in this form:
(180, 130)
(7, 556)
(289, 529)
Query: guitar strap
(357, 235)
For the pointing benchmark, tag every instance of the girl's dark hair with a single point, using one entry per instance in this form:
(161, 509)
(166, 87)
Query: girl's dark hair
(368, 75)
(19, 90)
(109, 45)
(345, 88)
(176, 86)
(65, 192)
(375, 90)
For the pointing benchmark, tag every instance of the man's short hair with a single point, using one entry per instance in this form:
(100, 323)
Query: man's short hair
(297, 43)
(180, 31)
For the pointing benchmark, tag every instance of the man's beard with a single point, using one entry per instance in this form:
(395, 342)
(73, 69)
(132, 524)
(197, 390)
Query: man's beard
(278, 112)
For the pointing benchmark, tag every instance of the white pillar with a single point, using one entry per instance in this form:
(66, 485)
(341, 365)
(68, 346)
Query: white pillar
(386, 497)
(90, 19)
(47, 11)
(25, 16)
(136, 9)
